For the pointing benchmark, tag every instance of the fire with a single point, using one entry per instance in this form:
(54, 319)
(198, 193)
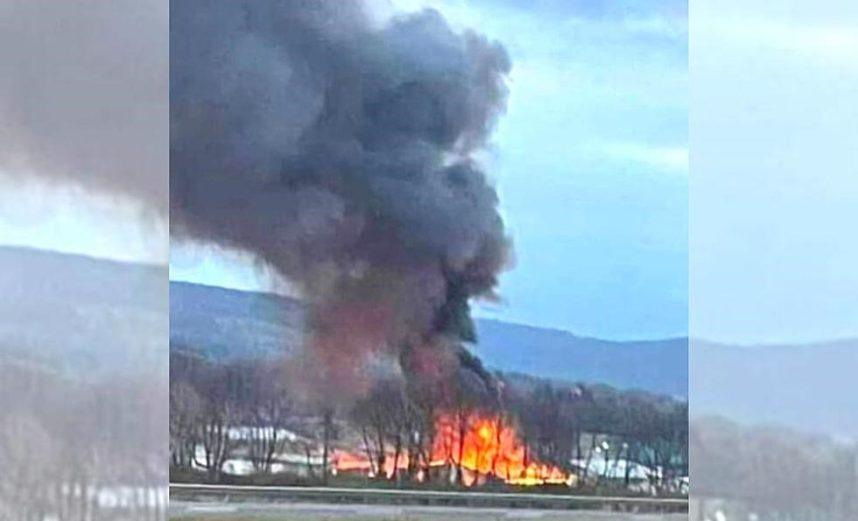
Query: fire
(481, 446)
(484, 445)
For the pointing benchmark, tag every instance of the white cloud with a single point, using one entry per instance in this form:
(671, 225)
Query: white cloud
(811, 40)
(667, 158)
(216, 266)
(66, 218)
(658, 26)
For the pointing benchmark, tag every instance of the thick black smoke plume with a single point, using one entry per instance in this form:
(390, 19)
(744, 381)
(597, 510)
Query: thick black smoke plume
(339, 152)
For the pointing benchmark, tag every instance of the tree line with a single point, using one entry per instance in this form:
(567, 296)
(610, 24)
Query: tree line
(394, 423)
(74, 449)
(772, 472)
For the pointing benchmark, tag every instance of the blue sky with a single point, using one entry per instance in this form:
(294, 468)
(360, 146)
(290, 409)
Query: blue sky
(590, 162)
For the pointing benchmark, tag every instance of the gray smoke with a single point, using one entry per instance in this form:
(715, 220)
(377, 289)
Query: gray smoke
(84, 94)
(340, 153)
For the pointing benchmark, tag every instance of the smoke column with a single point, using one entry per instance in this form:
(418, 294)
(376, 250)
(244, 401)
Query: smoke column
(339, 152)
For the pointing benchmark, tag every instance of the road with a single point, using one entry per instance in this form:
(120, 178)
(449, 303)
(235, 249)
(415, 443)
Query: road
(258, 511)
(378, 496)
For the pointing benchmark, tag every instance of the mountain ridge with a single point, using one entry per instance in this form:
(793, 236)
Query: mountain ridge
(85, 316)
(231, 323)
(99, 317)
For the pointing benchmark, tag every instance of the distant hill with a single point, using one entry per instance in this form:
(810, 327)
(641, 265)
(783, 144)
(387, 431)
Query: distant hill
(93, 316)
(659, 366)
(86, 317)
(227, 323)
(811, 388)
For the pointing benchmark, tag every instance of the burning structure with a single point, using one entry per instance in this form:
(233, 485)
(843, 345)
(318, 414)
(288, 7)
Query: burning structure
(470, 449)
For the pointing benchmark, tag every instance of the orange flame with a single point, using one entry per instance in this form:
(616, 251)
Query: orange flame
(482, 446)
(490, 447)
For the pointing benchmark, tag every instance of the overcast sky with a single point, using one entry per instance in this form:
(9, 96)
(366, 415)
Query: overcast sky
(774, 183)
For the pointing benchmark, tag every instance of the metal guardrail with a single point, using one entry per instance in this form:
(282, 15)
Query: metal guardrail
(239, 493)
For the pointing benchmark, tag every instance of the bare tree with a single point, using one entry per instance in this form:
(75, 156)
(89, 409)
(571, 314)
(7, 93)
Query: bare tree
(185, 415)
(221, 392)
(267, 411)
(374, 416)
